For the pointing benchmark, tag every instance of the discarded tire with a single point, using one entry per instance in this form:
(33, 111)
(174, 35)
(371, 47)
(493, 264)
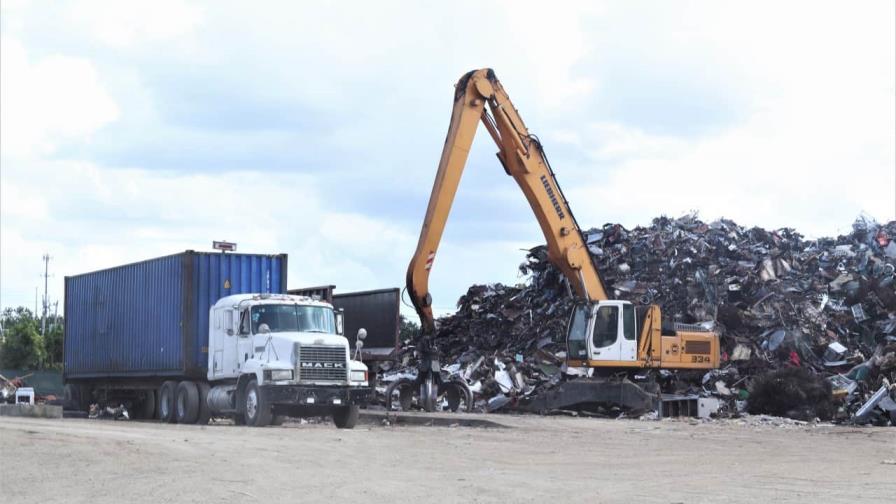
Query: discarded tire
(404, 390)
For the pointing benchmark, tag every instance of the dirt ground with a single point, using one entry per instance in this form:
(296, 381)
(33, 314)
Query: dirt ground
(535, 459)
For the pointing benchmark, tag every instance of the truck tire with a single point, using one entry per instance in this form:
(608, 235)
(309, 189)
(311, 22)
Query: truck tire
(187, 403)
(346, 417)
(147, 409)
(167, 394)
(205, 413)
(258, 412)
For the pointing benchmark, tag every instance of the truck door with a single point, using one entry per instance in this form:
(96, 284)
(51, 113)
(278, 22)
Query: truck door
(242, 343)
(605, 333)
(224, 346)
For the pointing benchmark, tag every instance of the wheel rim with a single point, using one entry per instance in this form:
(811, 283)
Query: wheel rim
(251, 403)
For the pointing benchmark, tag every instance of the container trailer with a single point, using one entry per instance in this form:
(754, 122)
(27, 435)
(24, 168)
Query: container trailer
(186, 337)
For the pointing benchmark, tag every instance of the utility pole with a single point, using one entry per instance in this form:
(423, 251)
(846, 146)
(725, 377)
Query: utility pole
(46, 307)
(55, 314)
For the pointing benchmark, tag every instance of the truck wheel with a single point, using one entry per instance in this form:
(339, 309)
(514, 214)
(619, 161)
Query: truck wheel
(167, 394)
(258, 412)
(205, 413)
(147, 410)
(187, 404)
(346, 417)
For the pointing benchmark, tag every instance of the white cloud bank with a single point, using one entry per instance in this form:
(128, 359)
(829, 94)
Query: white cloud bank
(774, 114)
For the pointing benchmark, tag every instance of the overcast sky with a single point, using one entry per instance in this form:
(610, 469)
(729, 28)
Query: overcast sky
(136, 130)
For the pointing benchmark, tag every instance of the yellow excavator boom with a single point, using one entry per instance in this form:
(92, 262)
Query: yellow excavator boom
(479, 96)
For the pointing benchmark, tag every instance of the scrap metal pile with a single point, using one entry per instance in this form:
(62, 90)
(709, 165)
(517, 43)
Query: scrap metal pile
(777, 300)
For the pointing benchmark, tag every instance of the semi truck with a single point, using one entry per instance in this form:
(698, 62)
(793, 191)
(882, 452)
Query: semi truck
(191, 336)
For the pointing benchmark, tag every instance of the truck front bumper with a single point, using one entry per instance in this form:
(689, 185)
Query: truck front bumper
(308, 395)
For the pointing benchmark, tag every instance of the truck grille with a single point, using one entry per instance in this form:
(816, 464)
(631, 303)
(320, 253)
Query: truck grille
(322, 363)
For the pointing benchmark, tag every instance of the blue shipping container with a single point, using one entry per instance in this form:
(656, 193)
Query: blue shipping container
(151, 318)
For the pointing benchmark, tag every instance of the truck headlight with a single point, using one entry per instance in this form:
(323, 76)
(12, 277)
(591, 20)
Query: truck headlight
(281, 374)
(359, 376)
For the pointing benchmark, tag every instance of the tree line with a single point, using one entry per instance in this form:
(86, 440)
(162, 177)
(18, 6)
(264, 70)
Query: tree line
(21, 344)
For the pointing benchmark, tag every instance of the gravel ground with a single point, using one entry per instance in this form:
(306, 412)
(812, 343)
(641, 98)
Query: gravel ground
(536, 459)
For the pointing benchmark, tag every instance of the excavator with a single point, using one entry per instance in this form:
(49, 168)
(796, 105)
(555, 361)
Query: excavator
(615, 338)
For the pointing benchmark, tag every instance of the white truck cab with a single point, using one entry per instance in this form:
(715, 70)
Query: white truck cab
(274, 355)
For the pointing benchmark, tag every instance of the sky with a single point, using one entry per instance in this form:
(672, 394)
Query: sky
(130, 130)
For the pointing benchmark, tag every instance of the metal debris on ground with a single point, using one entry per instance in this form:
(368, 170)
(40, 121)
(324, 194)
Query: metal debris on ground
(825, 306)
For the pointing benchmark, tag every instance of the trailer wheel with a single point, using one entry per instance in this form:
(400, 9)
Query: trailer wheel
(187, 403)
(205, 413)
(147, 409)
(346, 417)
(258, 411)
(167, 394)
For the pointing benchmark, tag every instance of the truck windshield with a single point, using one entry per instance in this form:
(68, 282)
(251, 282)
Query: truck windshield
(578, 332)
(293, 318)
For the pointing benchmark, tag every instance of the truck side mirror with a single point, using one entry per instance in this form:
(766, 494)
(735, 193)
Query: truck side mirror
(340, 322)
(362, 334)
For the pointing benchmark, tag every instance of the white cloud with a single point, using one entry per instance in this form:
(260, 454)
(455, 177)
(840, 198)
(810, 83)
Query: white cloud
(45, 102)
(798, 125)
(123, 24)
(816, 144)
(94, 217)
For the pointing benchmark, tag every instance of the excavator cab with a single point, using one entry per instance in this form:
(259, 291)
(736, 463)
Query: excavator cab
(603, 334)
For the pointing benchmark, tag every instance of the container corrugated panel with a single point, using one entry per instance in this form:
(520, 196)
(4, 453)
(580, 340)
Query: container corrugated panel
(377, 312)
(151, 318)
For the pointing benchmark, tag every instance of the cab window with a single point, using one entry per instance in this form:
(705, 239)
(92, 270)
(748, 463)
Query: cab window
(244, 322)
(606, 325)
(628, 322)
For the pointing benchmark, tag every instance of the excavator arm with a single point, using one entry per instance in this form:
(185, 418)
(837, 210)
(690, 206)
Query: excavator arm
(479, 96)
